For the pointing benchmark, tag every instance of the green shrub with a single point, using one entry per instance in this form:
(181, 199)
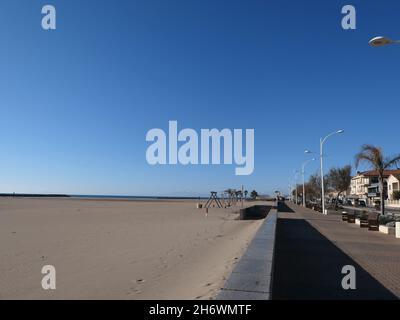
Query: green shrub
(396, 195)
(383, 220)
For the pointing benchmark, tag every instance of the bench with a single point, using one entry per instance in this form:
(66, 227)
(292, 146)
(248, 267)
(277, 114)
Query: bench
(373, 221)
(364, 221)
(351, 218)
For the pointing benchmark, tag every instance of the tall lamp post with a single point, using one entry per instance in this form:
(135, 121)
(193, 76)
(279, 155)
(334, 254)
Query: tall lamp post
(321, 145)
(295, 182)
(302, 173)
(290, 190)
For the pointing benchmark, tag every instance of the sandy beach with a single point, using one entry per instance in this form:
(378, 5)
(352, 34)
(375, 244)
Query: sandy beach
(105, 249)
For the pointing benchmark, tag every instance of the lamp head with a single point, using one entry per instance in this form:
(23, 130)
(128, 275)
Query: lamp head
(380, 41)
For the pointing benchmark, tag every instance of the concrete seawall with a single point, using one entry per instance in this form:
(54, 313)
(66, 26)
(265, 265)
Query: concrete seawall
(251, 278)
(254, 212)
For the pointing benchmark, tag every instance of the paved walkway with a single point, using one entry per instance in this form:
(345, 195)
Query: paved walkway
(311, 249)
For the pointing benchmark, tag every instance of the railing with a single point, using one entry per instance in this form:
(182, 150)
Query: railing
(392, 203)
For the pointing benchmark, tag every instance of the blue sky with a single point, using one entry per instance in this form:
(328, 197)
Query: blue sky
(76, 103)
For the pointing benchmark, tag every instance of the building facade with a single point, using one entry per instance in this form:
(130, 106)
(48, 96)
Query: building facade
(359, 185)
(393, 182)
(365, 185)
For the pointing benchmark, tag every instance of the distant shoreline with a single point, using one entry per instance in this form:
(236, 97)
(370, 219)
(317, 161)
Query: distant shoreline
(28, 195)
(84, 196)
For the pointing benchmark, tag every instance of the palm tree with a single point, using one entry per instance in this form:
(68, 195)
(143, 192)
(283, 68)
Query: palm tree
(373, 155)
(254, 194)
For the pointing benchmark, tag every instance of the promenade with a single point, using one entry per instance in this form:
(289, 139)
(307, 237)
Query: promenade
(311, 249)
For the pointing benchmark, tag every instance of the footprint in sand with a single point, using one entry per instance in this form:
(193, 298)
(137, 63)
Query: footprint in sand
(134, 290)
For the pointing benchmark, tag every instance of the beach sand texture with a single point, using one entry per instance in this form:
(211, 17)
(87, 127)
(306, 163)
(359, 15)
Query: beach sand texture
(118, 249)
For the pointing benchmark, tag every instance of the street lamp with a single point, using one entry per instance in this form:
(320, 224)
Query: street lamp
(295, 182)
(290, 189)
(302, 172)
(381, 41)
(321, 144)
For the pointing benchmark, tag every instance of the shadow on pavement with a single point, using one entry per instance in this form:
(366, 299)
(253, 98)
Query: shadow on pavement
(308, 266)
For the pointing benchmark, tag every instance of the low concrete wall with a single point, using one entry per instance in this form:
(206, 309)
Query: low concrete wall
(397, 229)
(387, 230)
(251, 278)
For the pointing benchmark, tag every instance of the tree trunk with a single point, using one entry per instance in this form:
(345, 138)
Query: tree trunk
(337, 199)
(382, 194)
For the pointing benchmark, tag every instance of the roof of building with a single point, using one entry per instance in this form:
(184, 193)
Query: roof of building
(397, 176)
(374, 173)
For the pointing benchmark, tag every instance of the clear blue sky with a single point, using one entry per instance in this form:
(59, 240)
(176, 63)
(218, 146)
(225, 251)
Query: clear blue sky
(76, 103)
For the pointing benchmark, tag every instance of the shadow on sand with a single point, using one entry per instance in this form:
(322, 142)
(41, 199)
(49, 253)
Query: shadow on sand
(254, 212)
(283, 207)
(308, 266)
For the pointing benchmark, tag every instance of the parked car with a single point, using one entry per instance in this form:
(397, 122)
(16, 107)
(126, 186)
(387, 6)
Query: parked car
(362, 203)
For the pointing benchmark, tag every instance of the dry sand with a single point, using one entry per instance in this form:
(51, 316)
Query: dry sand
(117, 249)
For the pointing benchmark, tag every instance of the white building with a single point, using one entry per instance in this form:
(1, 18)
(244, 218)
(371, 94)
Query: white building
(359, 185)
(365, 185)
(393, 185)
